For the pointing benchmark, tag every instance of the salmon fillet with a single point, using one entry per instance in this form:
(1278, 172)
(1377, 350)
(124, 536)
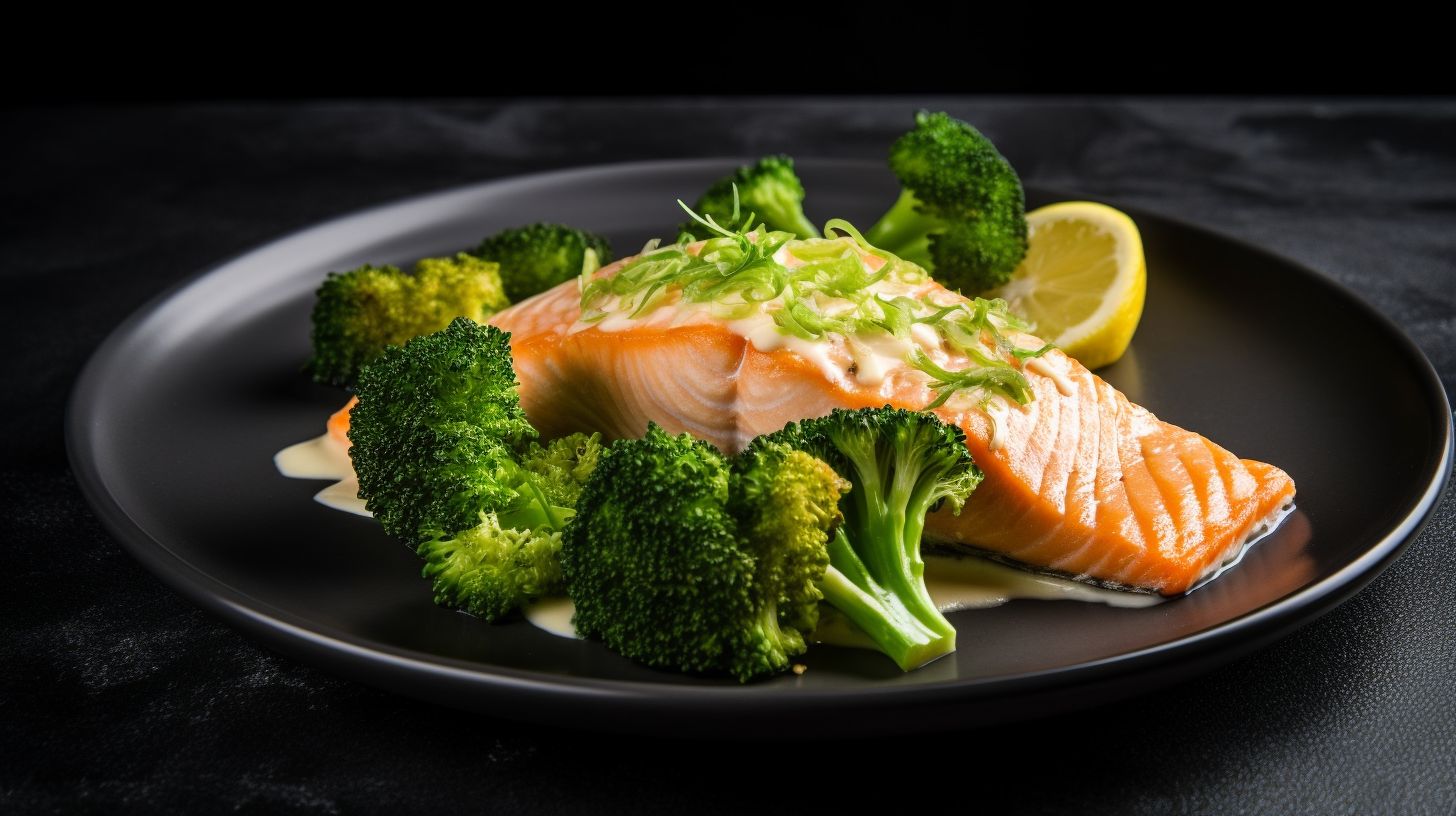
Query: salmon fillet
(1084, 483)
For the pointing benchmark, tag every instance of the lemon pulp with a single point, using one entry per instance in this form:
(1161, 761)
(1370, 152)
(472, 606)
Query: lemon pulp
(1083, 281)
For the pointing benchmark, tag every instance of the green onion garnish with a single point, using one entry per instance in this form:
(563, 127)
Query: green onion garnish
(830, 292)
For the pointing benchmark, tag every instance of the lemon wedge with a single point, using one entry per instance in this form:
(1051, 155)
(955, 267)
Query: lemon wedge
(1083, 280)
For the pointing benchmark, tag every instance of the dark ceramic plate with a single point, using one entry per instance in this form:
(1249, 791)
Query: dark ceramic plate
(174, 423)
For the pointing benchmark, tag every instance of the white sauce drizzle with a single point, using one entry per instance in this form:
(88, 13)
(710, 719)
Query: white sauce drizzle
(324, 457)
(996, 409)
(873, 356)
(926, 336)
(765, 337)
(552, 615)
(868, 369)
(955, 582)
(969, 582)
(1042, 366)
(876, 355)
(763, 333)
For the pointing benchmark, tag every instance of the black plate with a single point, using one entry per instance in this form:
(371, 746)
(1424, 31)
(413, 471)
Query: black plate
(173, 424)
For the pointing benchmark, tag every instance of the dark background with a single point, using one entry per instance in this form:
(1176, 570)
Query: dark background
(118, 696)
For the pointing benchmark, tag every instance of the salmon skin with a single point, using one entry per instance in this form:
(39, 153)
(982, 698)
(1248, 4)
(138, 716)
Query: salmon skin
(1079, 481)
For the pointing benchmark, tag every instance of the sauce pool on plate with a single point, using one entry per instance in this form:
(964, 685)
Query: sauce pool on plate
(955, 582)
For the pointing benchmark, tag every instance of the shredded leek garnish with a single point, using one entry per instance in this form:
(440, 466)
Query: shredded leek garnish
(830, 292)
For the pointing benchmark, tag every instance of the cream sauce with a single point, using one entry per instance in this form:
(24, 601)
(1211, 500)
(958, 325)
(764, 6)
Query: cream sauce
(926, 337)
(969, 582)
(324, 457)
(873, 357)
(763, 333)
(1042, 366)
(552, 615)
(955, 582)
(997, 409)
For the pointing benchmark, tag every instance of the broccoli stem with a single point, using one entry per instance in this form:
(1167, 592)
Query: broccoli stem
(781, 642)
(904, 230)
(535, 514)
(895, 516)
(791, 219)
(554, 515)
(902, 634)
(888, 570)
(901, 464)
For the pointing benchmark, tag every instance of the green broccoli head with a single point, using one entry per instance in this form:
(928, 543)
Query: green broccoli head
(652, 558)
(537, 257)
(490, 571)
(447, 461)
(436, 429)
(903, 464)
(362, 311)
(679, 559)
(785, 502)
(563, 465)
(962, 212)
(768, 189)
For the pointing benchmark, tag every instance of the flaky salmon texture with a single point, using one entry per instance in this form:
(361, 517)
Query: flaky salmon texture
(1079, 481)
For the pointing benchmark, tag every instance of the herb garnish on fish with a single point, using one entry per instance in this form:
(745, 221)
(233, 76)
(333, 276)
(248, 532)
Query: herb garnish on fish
(829, 290)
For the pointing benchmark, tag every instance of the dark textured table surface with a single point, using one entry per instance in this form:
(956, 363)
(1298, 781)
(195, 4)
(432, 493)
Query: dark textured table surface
(118, 696)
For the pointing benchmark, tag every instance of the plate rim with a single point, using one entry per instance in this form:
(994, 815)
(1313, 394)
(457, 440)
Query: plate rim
(393, 668)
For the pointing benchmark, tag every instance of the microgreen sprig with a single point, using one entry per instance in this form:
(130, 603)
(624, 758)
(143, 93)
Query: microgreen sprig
(970, 327)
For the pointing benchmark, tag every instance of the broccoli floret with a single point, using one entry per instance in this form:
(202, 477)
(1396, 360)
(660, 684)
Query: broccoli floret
(360, 312)
(490, 571)
(962, 213)
(903, 464)
(436, 429)
(563, 465)
(767, 189)
(785, 500)
(652, 558)
(680, 559)
(446, 460)
(537, 257)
